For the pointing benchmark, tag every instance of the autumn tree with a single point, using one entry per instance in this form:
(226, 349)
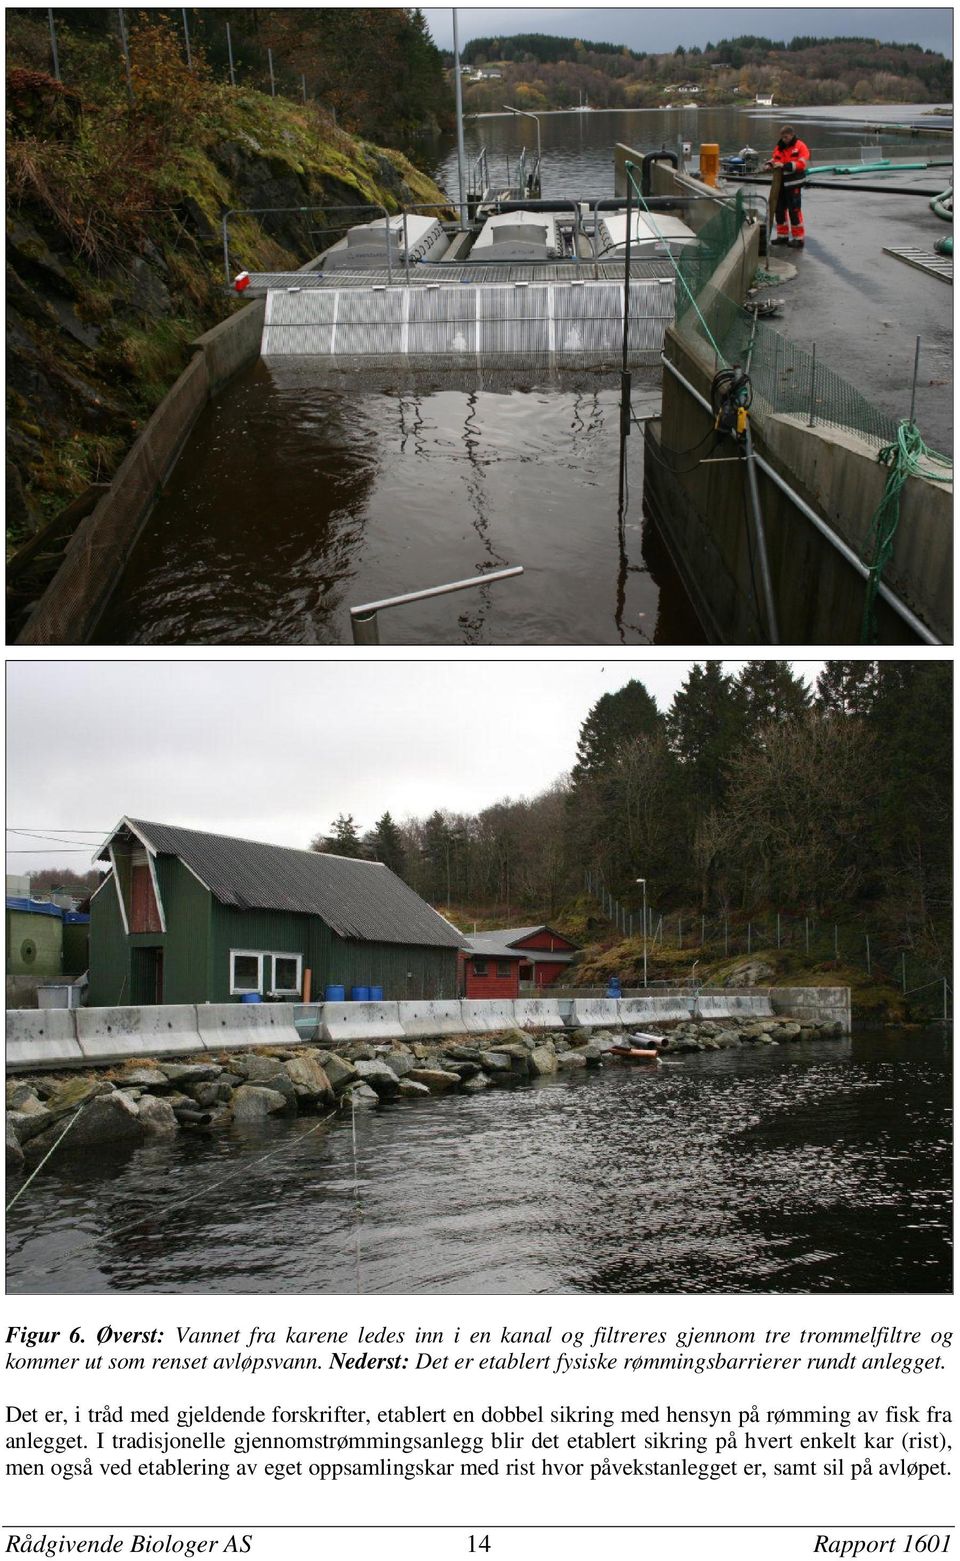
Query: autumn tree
(802, 809)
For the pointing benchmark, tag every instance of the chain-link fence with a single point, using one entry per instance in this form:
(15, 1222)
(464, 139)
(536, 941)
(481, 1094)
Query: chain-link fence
(887, 960)
(786, 379)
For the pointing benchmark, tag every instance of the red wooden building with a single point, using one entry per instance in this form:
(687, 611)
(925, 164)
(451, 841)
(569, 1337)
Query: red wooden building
(495, 963)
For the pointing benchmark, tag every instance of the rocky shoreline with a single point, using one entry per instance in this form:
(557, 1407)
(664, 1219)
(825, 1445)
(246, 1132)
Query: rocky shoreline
(142, 1099)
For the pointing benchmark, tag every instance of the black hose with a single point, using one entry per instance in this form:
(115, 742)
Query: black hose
(874, 189)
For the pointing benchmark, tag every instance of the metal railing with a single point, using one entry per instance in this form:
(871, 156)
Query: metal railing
(479, 177)
(363, 618)
(411, 209)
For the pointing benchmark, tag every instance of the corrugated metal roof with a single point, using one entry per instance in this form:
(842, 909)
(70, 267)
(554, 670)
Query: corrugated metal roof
(16, 902)
(514, 934)
(500, 945)
(356, 899)
(492, 948)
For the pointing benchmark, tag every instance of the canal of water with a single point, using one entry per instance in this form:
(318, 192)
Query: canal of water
(298, 498)
(821, 1167)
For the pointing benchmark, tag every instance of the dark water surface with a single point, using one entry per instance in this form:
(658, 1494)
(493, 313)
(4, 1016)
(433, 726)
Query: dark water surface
(295, 501)
(818, 1167)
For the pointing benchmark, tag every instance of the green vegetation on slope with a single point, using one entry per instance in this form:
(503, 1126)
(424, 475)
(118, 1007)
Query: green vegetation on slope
(114, 249)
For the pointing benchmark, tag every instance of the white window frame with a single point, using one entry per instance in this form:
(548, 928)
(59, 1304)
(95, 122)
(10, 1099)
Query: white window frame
(286, 991)
(239, 991)
(266, 972)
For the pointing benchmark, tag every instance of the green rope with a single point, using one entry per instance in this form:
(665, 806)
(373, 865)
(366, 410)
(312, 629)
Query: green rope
(904, 459)
(628, 166)
(763, 278)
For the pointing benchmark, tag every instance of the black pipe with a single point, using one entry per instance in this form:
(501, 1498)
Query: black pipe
(663, 156)
(656, 203)
(873, 189)
(188, 1118)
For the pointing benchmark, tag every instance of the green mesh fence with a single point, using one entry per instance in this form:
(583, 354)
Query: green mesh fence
(786, 379)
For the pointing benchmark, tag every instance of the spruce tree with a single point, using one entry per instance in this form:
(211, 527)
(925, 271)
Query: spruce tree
(705, 726)
(848, 687)
(614, 721)
(386, 845)
(771, 693)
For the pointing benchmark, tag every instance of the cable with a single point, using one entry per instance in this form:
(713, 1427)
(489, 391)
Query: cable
(37, 1169)
(683, 471)
(628, 167)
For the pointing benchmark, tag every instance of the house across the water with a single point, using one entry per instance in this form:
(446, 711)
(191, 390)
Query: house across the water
(189, 917)
(495, 963)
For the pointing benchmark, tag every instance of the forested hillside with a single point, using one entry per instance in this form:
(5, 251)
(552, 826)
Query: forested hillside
(117, 182)
(542, 71)
(751, 795)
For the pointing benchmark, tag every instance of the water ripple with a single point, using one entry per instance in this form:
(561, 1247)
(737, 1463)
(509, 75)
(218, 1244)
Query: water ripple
(814, 1168)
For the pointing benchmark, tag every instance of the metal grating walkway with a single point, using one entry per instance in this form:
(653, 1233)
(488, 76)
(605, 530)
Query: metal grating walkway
(442, 275)
(575, 323)
(928, 260)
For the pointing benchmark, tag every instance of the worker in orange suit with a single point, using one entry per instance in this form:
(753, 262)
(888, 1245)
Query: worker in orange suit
(790, 158)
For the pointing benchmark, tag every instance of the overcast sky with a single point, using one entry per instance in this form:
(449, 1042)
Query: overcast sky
(661, 28)
(275, 750)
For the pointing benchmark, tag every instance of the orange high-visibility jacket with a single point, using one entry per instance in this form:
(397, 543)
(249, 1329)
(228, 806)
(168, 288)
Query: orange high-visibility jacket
(793, 160)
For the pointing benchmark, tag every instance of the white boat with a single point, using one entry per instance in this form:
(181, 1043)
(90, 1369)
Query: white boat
(762, 102)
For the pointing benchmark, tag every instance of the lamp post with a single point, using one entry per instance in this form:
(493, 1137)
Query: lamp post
(643, 882)
(525, 114)
(461, 154)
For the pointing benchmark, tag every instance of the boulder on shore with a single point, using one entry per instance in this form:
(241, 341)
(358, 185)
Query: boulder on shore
(410, 1089)
(338, 1070)
(157, 1115)
(437, 1080)
(379, 1078)
(254, 1103)
(360, 1094)
(309, 1079)
(104, 1119)
(570, 1060)
(14, 1152)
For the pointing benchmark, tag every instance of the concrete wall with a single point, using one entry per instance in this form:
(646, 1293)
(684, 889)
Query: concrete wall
(57, 1039)
(813, 1002)
(99, 549)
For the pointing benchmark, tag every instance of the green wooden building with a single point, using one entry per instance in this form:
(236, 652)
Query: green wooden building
(188, 917)
(44, 941)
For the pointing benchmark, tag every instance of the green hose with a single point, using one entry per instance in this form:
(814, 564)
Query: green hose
(944, 246)
(905, 459)
(942, 205)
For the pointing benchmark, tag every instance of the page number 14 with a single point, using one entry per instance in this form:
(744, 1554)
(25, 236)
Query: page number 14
(479, 1542)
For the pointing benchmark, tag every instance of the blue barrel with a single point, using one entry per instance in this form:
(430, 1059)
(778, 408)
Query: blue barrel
(613, 989)
(334, 994)
(251, 997)
(359, 994)
(376, 994)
